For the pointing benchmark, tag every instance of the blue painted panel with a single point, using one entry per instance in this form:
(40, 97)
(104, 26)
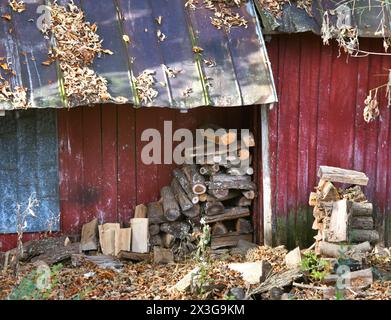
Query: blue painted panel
(29, 164)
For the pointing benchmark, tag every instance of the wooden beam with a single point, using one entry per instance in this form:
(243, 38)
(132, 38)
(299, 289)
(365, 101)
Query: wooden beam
(334, 174)
(229, 214)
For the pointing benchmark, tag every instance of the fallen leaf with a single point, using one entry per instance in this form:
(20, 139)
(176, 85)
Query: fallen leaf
(126, 38)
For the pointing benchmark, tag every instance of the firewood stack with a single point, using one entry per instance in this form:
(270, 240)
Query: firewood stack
(344, 215)
(218, 189)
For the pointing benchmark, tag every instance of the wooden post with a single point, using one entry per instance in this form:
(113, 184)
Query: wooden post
(180, 195)
(89, 236)
(155, 213)
(197, 181)
(170, 206)
(140, 211)
(185, 184)
(139, 234)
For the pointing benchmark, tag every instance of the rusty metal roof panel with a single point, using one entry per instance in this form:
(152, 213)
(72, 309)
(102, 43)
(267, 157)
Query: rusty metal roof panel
(232, 70)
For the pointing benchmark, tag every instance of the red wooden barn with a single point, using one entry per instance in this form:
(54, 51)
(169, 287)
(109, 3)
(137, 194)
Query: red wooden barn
(86, 161)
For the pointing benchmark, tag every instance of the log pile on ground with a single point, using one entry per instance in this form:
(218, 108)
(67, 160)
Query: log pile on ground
(342, 215)
(218, 189)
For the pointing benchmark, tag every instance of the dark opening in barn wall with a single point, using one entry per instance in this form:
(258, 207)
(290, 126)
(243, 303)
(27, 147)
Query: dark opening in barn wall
(29, 165)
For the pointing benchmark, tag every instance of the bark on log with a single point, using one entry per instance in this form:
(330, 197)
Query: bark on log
(334, 174)
(249, 194)
(154, 229)
(58, 254)
(186, 185)
(155, 240)
(242, 202)
(155, 213)
(356, 235)
(229, 214)
(219, 229)
(170, 206)
(233, 184)
(358, 209)
(213, 208)
(193, 212)
(336, 250)
(243, 226)
(141, 211)
(363, 223)
(168, 240)
(327, 191)
(229, 240)
(197, 181)
(180, 195)
(134, 256)
(89, 236)
(357, 279)
(219, 193)
(178, 229)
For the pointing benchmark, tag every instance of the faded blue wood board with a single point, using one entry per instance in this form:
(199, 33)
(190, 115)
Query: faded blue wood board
(115, 68)
(9, 50)
(177, 53)
(41, 81)
(144, 51)
(249, 56)
(224, 89)
(29, 165)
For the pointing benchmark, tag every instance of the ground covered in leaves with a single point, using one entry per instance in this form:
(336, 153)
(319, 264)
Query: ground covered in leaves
(154, 282)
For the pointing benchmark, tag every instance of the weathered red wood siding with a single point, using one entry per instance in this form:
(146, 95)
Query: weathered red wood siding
(319, 121)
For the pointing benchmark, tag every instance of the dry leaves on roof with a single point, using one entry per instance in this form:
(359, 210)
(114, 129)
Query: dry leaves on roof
(145, 83)
(17, 6)
(17, 96)
(275, 7)
(78, 45)
(223, 13)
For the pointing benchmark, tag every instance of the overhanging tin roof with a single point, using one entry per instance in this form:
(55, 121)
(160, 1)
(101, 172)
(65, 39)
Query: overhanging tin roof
(241, 76)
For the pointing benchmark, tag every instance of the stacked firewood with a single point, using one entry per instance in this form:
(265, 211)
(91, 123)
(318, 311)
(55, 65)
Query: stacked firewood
(215, 188)
(344, 215)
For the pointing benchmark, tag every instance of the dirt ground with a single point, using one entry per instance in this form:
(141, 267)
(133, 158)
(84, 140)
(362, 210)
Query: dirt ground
(153, 282)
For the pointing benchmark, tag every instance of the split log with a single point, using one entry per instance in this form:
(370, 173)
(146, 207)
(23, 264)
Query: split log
(180, 195)
(293, 258)
(243, 226)
(155, 213)
(125, 239)
(109, 238)
(178, 229)
(339, 221)
(170, 206)
(209, 170)
(186, 186)
(89, 236)
(334, 174)
(249, 194)
(219, 194)
(240, 171)
(141, 211)
(193, 212)
(338, 250)
(327, 191)
(363, 223)
(225, 181)
(356, 235)
(313, 199)
(218, 135)
(155, 240)
(229, 214)
(134, 256)
(58, 254)
(229, 240)
(279, 280)
(213, 208)
(139, 234)
(219, 229)
(252, 272)
(196, 180)
(168, 240)
(243, 202)
(248, 140)
(162, 255)
(356, 279)
(154, 229)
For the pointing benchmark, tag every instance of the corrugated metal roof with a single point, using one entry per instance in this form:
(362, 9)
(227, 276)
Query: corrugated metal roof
(242, 75)
(365, 15)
